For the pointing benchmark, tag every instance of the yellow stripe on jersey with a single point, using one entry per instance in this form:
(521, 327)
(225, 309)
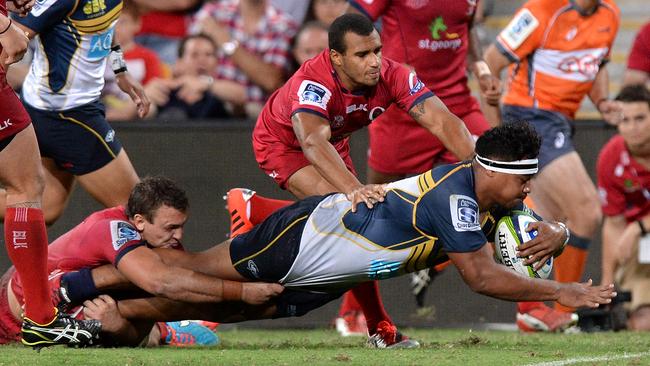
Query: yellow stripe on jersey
(427, 248)
(492, 220)
(409, 265)
(272, 241)
(434, 184)
(97, 24)
(397, 193)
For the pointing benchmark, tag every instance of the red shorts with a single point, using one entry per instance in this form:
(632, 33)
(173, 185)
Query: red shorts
(13, 116)
(9, 326)
(399, 145)
(280, 161)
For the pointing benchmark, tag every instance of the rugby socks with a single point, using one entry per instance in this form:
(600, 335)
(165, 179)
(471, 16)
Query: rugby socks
(571, 263)
(367, 294)
(262, 207)
(349, 304)
(26, 243)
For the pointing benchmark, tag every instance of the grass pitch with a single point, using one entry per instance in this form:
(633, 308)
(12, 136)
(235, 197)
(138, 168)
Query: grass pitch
(325, 347)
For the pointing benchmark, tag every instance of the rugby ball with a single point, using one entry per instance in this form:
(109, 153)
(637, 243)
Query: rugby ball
(510, 233)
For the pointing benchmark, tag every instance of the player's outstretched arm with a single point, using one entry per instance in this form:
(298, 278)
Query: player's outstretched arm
(485, 276)
(433, 115)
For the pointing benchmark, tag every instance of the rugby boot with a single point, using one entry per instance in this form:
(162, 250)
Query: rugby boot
(546, 319)
(189, 333)
(238, 206)
(62, 330)
(387, 336)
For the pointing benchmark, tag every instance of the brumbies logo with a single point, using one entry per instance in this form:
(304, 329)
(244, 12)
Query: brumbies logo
(121, 233)
(464, 213)
(313, 93)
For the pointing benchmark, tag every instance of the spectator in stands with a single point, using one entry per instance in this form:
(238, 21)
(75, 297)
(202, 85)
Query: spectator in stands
(193, 92)
(624, 186)
(638, 62)
(325, 11)
(310, 40)
(297, 9)
(143, 64)
(253, 40)
(164, 24)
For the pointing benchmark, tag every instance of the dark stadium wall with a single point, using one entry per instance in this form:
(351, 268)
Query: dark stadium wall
(207, 160)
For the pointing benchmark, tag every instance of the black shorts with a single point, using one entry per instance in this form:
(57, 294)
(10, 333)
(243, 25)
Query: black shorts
(555, 129)
(266, 253)
(80, 140)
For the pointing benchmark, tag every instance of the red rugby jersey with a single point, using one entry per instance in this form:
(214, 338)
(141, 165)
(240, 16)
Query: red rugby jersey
(429, 35)
(316, 89)
(623, 183)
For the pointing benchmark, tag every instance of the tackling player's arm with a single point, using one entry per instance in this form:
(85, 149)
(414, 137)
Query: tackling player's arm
(485, 276)
(145, 269)
(13, 40)
(433, 115)
(313, 133)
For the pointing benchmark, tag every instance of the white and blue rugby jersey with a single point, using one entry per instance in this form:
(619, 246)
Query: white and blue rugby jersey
(74, 39)
(421, 219)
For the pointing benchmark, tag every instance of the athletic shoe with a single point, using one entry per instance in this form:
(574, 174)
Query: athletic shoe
(387, 336)
(352, 323)
(210, 325)
(238, 206)
(546, 319)
(189, 333)
(62, 330)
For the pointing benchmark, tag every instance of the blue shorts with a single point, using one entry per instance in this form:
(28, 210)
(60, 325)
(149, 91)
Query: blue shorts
(267, 252)
(80, 140)
(555, 129)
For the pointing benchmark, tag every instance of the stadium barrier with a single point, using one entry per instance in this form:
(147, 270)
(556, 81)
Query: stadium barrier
(208, 158)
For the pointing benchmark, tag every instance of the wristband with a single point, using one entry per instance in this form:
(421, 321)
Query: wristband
(116, 58)
(482, 68)
(567, 232)
(231, 290)
(644, 232)
(8, 26)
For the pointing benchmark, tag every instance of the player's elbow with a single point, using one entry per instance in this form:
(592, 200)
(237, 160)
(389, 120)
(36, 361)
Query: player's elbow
(477, 282)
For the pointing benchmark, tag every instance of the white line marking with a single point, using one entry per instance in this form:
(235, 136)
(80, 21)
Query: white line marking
(571, 361)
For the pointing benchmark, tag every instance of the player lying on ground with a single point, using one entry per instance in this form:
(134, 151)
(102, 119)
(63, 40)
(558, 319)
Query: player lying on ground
(318, 248)
(123, 237)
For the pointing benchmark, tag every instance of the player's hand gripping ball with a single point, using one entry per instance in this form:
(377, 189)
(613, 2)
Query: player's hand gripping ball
(510, 234)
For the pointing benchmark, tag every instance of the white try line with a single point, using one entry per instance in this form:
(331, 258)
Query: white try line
(571, 361)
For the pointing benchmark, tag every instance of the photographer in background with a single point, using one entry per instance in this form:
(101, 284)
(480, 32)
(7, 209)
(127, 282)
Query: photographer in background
(624, 186)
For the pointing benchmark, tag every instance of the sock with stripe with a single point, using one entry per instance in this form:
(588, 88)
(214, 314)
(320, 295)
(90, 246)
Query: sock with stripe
(569, 266)
(26, 243)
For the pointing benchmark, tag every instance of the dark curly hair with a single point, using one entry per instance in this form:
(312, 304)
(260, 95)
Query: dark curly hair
(355, 23)
(634, 93)
(509, 142)
(153, 192)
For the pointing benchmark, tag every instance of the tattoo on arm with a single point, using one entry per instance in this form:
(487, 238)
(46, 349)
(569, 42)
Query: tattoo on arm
(417, 111)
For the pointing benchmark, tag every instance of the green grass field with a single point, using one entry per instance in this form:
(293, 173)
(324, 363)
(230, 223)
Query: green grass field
(324, 347)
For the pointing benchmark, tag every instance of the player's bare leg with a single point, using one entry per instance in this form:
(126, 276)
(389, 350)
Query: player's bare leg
(26, 242)
(111, 184)
(308, 182)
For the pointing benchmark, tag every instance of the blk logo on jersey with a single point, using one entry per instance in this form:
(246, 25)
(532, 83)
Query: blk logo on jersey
(121, 233)
(464, 213)
(5, 124)
(313, 93)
